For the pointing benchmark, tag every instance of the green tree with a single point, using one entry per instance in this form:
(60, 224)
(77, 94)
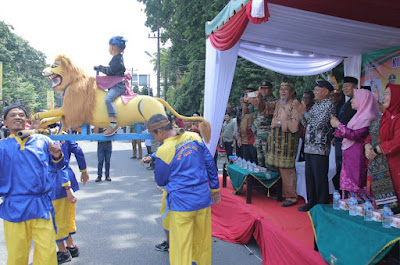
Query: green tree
(22, 68)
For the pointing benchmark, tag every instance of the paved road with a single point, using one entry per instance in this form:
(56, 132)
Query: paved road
(119, 222)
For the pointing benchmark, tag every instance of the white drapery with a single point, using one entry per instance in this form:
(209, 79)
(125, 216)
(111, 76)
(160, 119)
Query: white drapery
(352, 66)
(220, 67)
(286, 61)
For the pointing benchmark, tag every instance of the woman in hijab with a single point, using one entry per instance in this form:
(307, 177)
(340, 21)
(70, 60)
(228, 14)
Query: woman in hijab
(386, 149)
(353, 177)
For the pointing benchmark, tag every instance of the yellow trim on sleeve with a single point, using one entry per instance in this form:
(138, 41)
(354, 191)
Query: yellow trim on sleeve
(83, 170)
(215, 190)
(57, 161)
(66, 184)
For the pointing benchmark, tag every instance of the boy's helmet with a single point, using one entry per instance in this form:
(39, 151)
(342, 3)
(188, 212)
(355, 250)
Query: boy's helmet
(118, 41)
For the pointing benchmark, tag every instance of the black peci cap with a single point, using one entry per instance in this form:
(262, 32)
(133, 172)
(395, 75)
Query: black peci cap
(14, 106)
(325, 84)
(350, 79)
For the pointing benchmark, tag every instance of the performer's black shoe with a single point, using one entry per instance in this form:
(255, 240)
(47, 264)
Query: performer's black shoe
(63, 257)
(108, 178)
(164, 246)
(98, 179)
(74, 251)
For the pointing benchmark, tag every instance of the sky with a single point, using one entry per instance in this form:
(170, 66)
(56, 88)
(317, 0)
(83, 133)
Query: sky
(81, 30)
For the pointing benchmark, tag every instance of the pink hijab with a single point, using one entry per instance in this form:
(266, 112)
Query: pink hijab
(367, 110)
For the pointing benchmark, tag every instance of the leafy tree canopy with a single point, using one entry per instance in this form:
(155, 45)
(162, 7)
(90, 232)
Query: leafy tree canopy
(22, 71)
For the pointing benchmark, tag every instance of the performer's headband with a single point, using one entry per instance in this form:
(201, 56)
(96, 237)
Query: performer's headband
(158, 125)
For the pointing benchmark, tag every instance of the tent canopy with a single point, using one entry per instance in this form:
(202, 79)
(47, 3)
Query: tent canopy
(303, 37)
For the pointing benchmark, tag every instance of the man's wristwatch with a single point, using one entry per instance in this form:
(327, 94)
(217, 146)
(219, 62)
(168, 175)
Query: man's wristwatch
(376, 150)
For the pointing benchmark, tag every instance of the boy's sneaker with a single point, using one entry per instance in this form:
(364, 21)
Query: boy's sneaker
(164, 246)
(110, 131)
(74, 251)
(108, 178)
(98, 179)
(63, 257)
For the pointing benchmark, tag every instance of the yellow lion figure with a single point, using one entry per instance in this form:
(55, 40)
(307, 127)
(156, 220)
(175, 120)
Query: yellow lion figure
(84, 102)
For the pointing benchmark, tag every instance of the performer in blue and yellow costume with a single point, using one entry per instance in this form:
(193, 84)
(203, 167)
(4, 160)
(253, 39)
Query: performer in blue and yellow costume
(63, 198)
(186, 169)
(25, 183)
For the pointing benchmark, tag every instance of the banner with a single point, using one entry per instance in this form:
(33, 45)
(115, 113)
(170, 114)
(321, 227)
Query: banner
(379, 68)
(50, 99)
(1, 80)
(334, 83)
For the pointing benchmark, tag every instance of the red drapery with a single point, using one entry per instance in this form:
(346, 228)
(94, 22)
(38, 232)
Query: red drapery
(240, 229)
(229, 34)
(236, 222)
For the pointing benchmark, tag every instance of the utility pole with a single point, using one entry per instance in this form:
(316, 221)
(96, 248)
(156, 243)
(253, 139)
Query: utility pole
(158, 59)
(165, 82)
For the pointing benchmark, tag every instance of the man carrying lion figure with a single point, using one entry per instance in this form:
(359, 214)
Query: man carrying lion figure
(84, 102)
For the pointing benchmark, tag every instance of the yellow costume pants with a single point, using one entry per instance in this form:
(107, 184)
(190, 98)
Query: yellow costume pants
(19, 238)
(65, 218)
(165, 221)
(190, 237)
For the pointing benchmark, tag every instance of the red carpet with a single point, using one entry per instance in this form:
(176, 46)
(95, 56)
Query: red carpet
(284, 235)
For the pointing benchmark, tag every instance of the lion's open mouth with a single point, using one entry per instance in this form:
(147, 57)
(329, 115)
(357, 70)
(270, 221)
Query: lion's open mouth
(55, 80)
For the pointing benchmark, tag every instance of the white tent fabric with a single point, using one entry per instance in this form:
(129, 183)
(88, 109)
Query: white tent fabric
(352, 66)
(301, 30)
(220, 67)
(295, 31)
(287, 61)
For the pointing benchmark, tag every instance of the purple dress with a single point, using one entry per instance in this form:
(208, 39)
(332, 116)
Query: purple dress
(353, 176)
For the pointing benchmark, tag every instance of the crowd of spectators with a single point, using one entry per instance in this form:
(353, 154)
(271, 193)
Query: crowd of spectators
(362, 130)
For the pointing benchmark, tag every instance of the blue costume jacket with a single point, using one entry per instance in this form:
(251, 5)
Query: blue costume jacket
(185, 167)
(24, 178)
(66, 176)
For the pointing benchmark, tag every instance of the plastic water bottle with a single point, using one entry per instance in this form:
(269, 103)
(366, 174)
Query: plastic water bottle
(352, 205)
(368, 210)
(248, 165)
(253, 167)
(336, 198)
(244, 165)
(387, 216)
(240, 162)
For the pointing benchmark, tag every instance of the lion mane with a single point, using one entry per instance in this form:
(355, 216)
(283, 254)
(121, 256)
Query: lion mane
(80, 91)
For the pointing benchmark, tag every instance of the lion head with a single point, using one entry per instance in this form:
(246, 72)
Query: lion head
(62, 73)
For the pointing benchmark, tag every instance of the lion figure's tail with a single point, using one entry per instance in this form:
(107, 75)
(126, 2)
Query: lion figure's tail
(204, 127)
